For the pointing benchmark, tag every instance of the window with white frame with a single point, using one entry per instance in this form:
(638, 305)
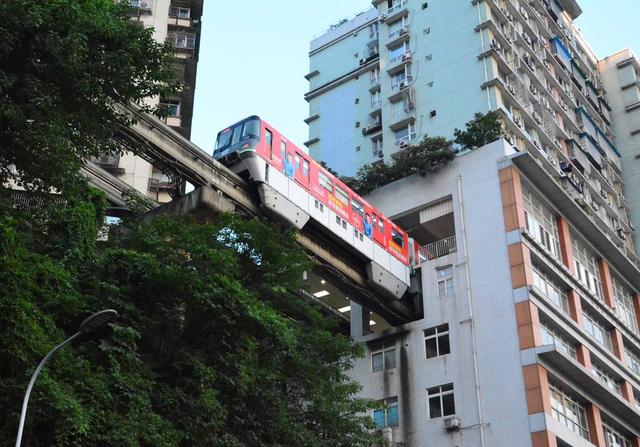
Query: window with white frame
(444, 280)
(398, 53)
(436, 341)
(375, 75)
(547, 287)
(566, 410)
(387, 416)
(375, 99)
(597, 330)
(624, 304)
(182, 40)
(383, 356)
(401, 79)
(541, 223)
(171, 106)
(632, 360)
(376, 145)
(441, 401)
(614, 438)
(551, 336)
(180, 12)
(405, 134)
(605, 377)
(586, 266)
(398, 28)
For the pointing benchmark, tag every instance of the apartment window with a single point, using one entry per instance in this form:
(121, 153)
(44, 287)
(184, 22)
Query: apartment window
(545, 285)
(396, 54)
(624, 305)
(398, 28)
(441, 401)
(383, 356)
(603, 375)
(182, 40)
(444, 278)
(172, 106)
(180, 12)
(387, 416)
(613, 437)
(375, 75)
(375, 99)
(376, 145)
(597, 330)
(632, 360)
(550, 336)
(436, 341)
(405, 135)
(568, 411)
(541, 223)
(401, 79)
(586, 267)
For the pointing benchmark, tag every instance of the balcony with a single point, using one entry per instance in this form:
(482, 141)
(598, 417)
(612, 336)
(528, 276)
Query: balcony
(438, 249)
(183, 43)
(161, 183)
(141, 6)
(372, 127)
(398, 36)
(109, 162)
(398, 63)
(399, 88)
(396, 11)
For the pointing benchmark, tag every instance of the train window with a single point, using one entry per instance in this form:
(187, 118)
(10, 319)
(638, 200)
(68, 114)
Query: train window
(283, 149)
(342, 196)
(237, 130)
(305, 168)
(268, 137)
(381, 225)
(251, 129)
(357, 207)
(324, 181)
(297, 162)
(397, 237)
(224, 138)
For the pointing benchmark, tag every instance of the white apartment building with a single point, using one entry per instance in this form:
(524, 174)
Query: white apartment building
(177, 22)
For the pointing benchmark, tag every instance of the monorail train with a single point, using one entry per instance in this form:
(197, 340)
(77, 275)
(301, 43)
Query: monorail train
(312, 192)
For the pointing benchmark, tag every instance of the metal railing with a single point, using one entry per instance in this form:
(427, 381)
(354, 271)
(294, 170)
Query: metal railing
(438, 249)
(397, 7)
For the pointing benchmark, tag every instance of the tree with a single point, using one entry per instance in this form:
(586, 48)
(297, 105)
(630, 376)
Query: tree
(212, 347)
(428, 156)
(482, 129)
(64, 66)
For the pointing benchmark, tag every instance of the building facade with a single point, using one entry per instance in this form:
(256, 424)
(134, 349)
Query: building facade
(620, 74)
(177, 22)
(410, 68)
(530, 329)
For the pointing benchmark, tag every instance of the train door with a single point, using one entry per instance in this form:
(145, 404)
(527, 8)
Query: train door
(378, 229)
(301, 168)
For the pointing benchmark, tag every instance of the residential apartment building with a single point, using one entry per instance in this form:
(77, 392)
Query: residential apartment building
(529, 279)
(529, 335)
(177, 22)
(620, 74)
(410, 68)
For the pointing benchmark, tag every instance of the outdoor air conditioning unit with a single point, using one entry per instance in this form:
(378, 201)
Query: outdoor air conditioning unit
(402, 85)
(403, 143)
(451, 424)
(402, 31)
(537, 118)
(406, 56)
(409, 106)
(383, 17)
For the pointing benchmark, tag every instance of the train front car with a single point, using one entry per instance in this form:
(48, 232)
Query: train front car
(294, 188)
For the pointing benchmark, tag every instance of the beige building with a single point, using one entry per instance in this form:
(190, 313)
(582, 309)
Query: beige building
(176, 22)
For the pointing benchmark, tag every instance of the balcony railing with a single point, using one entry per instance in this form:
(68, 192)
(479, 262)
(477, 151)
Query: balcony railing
(397, 7)
(438, 249)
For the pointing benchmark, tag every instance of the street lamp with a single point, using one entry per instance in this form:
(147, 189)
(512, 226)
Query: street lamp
(90, 324)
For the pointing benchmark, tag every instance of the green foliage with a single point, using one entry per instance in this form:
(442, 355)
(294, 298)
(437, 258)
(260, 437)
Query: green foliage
(210, 348)
(428, 156)
(338, 23)
(64, 65)
(482, 129)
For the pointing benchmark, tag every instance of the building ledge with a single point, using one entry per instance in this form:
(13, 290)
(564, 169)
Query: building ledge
(311, 141)
(312, 74)
(586, 380)
(311, 118)
(632, 107)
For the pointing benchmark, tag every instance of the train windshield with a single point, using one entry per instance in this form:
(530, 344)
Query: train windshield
(241, 132)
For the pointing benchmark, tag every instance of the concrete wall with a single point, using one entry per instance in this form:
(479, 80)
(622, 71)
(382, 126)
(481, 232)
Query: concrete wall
(499, 367)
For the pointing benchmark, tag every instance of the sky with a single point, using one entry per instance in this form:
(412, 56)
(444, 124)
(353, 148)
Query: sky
(254, 55)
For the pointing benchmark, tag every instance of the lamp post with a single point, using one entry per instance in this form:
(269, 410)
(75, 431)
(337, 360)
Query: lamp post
(90, 324)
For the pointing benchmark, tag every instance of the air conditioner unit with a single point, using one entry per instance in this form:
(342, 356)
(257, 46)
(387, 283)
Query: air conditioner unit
(564, 106)
(402, 85)
(409, 106)
(402, 31)
(406, 56)
(533, 89)
(511, 88)
(383, 17)
(496, 45)
(144, 5)
(603, 193)
(451, 424)
(526, 38)
(380, 154)
(362, 61)
(509, 139)
(537, 118)
(524, 13)
(518, 121)
(403, 143)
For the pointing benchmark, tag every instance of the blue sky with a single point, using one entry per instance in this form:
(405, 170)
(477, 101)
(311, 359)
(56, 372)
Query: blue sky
(254, 55)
